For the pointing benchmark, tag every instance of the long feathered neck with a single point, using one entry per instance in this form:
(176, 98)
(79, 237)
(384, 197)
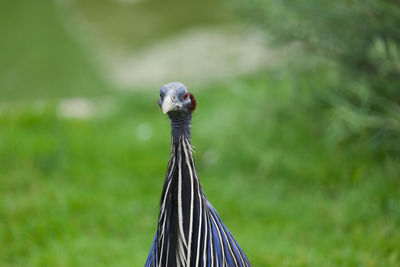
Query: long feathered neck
(180, 199)
(190, 232)
(181, 202)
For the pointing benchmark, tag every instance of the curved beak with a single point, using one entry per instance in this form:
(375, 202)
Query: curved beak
(168, 104)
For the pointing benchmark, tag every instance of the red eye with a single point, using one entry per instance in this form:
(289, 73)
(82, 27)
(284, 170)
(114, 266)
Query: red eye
(185, 96)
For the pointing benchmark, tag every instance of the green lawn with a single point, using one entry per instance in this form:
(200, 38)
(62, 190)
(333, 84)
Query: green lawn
(85, 192)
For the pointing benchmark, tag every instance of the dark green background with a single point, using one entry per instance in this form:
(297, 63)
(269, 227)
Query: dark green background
(288, 160)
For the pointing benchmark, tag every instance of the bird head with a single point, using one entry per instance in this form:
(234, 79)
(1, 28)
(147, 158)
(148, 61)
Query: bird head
(176, 98)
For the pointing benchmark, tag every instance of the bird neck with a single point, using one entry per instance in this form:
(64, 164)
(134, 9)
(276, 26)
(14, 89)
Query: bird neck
(180, 125)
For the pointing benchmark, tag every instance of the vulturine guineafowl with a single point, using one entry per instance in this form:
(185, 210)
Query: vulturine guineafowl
(190, 231)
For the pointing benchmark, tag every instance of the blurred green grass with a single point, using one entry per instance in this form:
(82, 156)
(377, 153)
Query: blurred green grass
(137, 23)
(84, 192)
(38, 56)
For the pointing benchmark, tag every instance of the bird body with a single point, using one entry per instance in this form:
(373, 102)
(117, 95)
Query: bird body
(190, 231)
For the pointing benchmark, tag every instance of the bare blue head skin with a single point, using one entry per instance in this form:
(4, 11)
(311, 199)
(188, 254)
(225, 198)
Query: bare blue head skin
(176, 101)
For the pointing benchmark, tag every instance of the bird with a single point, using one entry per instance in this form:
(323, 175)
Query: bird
(190, 231)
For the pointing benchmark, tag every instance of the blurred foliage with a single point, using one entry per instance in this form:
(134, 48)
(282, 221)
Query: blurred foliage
(362, 39)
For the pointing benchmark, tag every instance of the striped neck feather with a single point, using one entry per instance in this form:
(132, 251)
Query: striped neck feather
(190, 233)
(181, 202)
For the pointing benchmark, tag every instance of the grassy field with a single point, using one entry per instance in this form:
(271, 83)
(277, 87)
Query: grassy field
(85, 191)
